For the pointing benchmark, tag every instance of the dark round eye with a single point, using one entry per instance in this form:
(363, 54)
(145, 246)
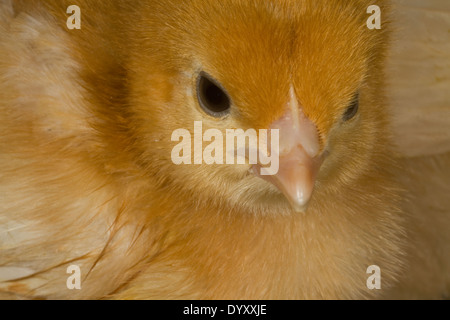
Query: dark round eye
(353, 108)
(212, 97)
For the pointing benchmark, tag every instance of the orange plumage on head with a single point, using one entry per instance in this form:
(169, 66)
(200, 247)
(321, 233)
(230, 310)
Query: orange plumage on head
(96, 157)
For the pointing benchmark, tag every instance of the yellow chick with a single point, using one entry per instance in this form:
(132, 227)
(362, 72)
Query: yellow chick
(89, 185)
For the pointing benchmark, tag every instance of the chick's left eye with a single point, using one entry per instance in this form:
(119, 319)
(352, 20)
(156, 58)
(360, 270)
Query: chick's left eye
(212, 97)
(353, 108)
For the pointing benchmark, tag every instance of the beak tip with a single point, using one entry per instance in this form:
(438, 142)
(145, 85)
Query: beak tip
(297, 187)
(299, 204)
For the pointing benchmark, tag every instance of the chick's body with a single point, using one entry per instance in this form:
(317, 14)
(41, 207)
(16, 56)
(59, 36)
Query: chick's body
(86, 118)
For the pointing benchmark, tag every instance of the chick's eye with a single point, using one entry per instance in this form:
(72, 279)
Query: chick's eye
(211, 97)
(352, 110)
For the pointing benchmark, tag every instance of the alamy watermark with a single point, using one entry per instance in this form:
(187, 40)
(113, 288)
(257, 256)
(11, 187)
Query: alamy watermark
(74, 280)
(374, 21)
(374, 280)
(74, 21)
(236, 147)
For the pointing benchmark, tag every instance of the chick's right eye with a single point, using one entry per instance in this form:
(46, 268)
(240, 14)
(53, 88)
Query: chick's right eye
(212, 97)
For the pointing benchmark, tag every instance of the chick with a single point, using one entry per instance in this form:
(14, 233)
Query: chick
(87, 179)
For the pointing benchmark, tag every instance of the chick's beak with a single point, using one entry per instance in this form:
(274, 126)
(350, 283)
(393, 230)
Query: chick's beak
(299, 156)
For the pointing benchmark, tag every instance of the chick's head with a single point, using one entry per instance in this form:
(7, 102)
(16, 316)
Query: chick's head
(311, 70)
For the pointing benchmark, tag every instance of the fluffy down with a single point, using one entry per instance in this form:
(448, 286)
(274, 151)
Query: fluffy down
(86, 177)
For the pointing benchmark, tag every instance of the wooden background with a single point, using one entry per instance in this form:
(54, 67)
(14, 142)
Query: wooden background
(419, 76)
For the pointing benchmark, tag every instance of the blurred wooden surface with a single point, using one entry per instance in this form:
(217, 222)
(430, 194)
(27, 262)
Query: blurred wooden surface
(419, 76)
